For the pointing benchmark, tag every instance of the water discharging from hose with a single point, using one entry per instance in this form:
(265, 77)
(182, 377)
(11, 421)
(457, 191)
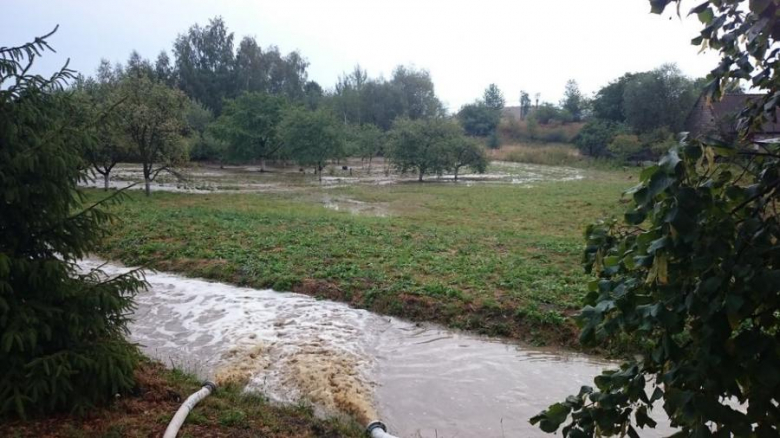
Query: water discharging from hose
(420, 380)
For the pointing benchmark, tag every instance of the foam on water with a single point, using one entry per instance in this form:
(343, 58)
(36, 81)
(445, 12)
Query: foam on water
(420, 379)
(291, 347)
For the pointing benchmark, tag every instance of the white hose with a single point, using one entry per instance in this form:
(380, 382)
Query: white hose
(377, 429)
(178, 420)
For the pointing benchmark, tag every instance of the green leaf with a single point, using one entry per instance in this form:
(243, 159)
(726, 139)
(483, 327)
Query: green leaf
(551, 419)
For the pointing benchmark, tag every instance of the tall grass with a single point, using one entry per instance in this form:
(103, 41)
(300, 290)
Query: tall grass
(553, 154)
(513, 130)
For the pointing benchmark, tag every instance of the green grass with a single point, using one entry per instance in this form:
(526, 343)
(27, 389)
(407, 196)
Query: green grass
(496, 259)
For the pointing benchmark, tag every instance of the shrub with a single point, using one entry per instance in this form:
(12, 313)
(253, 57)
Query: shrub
(625, 146)
(493, 142)
(556, 135)
(62, 342)
(596, 135)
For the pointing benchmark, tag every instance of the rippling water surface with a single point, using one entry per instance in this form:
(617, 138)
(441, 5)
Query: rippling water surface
(421, 380)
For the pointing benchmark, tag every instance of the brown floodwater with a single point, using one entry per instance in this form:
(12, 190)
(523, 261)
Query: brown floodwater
(248, 179)
(420, 379)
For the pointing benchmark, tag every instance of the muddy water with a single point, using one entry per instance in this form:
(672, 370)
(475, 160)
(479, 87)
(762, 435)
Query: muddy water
(248, 179)
(421, 380)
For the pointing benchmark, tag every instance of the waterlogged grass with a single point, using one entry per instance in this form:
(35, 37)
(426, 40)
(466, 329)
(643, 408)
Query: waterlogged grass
(497, 259)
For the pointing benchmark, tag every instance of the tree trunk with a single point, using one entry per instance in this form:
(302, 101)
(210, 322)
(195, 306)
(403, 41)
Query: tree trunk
(105, 181)
(369, 164)
(456, 173)
(420, 177)
(147, 186)
(262, 165)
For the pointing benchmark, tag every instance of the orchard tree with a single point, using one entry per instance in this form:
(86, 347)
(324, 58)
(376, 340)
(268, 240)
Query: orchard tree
(62, 332)
(99, 97)
(153, 118)
(313, 137)
(422, 145)
(692, 271)
(369, 141)
(249, 125)
(467, 152)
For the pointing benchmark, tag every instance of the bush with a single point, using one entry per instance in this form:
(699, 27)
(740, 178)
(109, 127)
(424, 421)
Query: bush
(62, 342)
(545, 113)
(493, 141)
(532, 126)
(625, 146)
(556, 135)
(596, 135)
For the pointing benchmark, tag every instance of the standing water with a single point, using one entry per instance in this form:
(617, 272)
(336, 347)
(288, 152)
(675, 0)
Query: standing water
(421, 380)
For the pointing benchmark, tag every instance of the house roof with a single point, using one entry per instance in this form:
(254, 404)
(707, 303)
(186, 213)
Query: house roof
(732, 104)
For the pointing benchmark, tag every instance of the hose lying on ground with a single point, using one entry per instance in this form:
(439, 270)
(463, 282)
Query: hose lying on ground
(176, 422)
(377, 429)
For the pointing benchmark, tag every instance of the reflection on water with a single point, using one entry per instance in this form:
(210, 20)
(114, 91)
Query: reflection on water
(421, 380)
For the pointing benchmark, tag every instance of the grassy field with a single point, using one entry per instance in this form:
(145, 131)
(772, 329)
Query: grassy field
(496, 259)
(229, 412)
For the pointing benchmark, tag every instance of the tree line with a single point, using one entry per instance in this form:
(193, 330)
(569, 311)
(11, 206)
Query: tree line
(214, 102)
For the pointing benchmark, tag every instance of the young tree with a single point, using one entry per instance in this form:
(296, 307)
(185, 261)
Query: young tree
(152, 116)
(422, 145)
(369, 141)
(525, 105)
(691, 271)
(313, 137)
(249, 125)
(467, 152)
(573, 100)
(494, 98)
(62, 344)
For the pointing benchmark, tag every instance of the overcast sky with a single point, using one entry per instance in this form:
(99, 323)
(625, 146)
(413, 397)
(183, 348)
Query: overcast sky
(533, 45)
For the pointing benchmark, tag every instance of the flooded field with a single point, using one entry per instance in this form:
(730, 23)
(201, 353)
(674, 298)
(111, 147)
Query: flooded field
(420, 379)
(232, 179)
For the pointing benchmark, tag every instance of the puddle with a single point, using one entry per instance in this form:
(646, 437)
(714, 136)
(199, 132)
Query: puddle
(355, 207)
(421, 380)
